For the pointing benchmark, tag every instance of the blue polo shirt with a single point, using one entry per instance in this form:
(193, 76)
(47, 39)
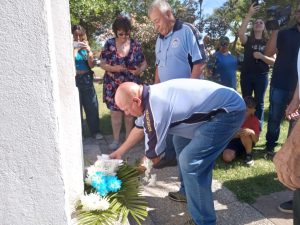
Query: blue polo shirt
(285, 68)
(226, 66)
(179, 107)
(178, 51)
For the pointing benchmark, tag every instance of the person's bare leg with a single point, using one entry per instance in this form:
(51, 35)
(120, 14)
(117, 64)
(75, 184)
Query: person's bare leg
(247, 143)
(228, 155)
(128, 124)
(116, 123)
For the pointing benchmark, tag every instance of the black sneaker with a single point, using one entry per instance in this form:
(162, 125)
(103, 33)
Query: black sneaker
(269, 156)
(177, 196)
(164, 162)
(249, 160)
(286, 207)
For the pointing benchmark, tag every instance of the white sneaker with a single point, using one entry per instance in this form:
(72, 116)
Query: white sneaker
(114, 145)
(98, 136)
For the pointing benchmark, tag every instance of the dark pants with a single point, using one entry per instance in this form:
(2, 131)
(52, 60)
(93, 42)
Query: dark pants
(89, 102)
(279, 99)
(258, 84)
(170, 153)
(296, 207)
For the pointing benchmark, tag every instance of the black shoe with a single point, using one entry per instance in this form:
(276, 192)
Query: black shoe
(177, 196)
(249, 160)
(164, 162)
(286, 207)
(269, 153)
(269, 156)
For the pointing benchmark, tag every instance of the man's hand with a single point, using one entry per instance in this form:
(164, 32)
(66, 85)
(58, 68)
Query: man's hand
(291, 111)
(154, 160)
(116, 155)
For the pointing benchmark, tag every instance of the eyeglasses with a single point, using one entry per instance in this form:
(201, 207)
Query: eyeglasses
(123, 34)
(259, 22)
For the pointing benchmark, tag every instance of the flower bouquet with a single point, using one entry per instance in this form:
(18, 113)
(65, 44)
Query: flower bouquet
(112, 193)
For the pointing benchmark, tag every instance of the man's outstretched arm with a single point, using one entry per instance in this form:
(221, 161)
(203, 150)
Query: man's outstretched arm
(135, 136)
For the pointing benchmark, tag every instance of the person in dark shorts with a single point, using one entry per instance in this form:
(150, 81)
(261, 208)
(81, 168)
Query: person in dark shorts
(246, 137)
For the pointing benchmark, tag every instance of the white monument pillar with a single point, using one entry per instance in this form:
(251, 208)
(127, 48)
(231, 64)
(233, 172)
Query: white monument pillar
(40, 134)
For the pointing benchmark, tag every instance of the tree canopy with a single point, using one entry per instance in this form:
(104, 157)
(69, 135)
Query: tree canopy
(97, 16)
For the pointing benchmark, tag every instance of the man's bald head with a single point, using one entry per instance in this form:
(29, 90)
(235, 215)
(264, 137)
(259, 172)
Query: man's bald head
(128, 98)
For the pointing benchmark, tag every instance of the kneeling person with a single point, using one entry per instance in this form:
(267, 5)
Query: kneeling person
(246, 137)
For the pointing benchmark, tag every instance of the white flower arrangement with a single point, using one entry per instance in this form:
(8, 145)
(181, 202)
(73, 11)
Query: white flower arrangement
(112, 193)
(94, 201)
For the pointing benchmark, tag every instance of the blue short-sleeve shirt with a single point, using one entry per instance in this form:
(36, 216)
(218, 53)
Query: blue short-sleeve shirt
(178, 51)
(179, 107)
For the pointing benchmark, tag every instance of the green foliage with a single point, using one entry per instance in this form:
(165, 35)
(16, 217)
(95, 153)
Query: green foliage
(106, 217)
(229, 16)
(127, 201)
(96, 14)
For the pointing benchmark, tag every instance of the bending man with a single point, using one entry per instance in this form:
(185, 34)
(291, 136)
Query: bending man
(203, 116)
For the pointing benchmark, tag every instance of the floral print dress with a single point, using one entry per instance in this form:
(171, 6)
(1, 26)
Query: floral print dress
(112, 81)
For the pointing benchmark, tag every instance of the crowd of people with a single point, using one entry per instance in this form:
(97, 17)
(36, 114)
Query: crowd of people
(186, 120)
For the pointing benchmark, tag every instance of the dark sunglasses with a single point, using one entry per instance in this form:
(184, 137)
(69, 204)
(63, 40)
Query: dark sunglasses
(224, 44)
(123, 34)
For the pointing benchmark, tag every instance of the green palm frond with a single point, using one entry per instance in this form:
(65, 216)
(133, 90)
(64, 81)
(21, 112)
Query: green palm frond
(129, 198)
(106, 217)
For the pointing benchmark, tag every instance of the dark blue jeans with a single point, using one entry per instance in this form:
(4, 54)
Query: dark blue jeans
(279, 99)
(258, 84)
(196, 159)
(170, 153)
(89, 102)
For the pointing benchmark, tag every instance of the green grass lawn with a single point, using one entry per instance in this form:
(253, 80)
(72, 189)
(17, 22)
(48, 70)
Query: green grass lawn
(247, 183)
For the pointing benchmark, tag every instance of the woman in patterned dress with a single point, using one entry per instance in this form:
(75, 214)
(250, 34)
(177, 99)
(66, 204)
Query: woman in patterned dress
(123, 60)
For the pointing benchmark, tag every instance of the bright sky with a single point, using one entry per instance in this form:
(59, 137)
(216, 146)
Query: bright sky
(209, 5)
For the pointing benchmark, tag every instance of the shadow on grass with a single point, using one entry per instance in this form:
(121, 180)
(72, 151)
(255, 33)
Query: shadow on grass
(250, 188)
(248, 183)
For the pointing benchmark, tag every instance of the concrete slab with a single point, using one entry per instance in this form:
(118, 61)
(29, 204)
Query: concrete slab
(268, 206)
(237, 213)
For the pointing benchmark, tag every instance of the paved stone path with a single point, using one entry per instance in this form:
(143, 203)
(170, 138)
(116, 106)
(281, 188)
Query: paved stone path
(163, 211)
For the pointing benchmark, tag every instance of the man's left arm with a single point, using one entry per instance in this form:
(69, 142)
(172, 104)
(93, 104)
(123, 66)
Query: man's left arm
(197, 70)
(291, 111)
(197, 53)
(135, 136)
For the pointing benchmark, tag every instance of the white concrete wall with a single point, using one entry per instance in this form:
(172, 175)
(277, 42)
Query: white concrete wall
(40, 136)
